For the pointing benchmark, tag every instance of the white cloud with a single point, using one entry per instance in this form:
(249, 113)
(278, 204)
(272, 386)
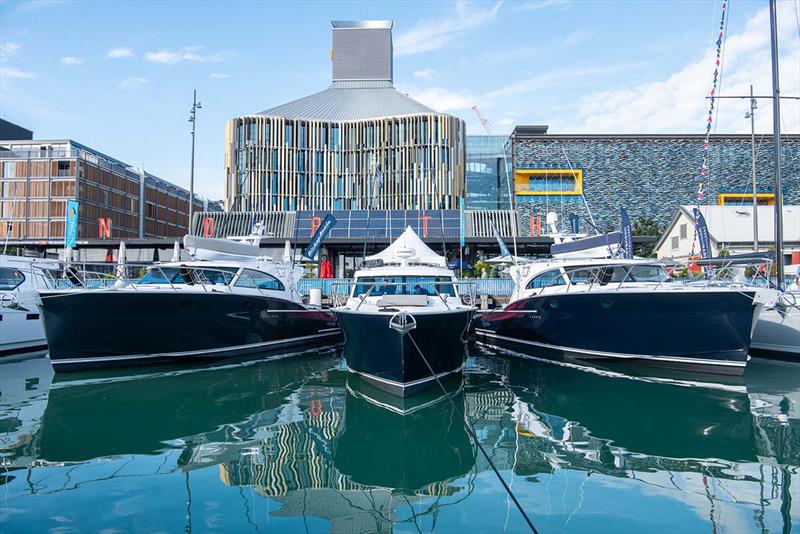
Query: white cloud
(560, 5)
(219, 76)
(116, 53)
(424, 74)
(429, 35)
(133, 82)
(189, 53)
(443, 100)
(71, 60)
(678, 102)
(8, 49)
(11, 72)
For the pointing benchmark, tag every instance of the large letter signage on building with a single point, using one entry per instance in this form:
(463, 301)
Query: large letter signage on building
(71, 227)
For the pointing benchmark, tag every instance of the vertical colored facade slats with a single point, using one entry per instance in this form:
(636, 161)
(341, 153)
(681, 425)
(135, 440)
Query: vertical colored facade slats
(273, 163)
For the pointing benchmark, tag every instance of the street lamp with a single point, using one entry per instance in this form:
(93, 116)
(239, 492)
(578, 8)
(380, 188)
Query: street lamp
(193, 119)
(752, 116)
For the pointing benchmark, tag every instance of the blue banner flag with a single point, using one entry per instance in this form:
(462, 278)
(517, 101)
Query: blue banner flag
(319, 236)
(575, 223)
(503, 248)
(702, 234)
(627, 234)
(461, 220)
(71, 232)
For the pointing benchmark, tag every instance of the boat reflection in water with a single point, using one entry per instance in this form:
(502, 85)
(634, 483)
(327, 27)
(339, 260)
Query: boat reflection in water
(298, 444)
(403, 444)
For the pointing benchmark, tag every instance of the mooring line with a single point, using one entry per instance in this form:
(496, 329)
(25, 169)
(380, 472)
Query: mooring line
(474, 436)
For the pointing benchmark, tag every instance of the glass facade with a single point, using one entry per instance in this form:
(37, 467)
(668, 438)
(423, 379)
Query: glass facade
(488, 157)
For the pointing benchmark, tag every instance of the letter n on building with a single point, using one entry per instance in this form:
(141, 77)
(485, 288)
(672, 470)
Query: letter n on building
(104, 228)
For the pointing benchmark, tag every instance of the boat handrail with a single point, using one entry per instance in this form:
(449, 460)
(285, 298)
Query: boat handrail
(341, 297)
(711, 277)
(112, 276)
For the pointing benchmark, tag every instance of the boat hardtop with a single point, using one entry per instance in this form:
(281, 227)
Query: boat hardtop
(406, 274)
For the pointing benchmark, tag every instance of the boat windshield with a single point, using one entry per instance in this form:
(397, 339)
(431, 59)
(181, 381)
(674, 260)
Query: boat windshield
(404, 285)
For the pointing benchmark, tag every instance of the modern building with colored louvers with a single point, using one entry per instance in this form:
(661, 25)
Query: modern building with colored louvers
(359, 144)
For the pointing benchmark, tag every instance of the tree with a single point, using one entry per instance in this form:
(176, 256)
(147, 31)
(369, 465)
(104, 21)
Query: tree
(647, 227)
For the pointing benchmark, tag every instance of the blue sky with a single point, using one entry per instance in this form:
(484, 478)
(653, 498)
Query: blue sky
(118, 76)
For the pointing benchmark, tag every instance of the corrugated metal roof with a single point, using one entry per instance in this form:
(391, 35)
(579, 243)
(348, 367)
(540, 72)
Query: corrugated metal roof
(346, 101)
(734, 224)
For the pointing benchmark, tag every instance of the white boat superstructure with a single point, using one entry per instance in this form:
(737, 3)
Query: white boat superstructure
(20, 323)
(405, 289)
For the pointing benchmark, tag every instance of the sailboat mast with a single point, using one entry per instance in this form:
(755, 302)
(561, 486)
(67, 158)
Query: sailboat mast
(776, 129)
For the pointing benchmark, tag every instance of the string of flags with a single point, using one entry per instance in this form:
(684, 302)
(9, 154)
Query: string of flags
(712, 94)
(701, 190)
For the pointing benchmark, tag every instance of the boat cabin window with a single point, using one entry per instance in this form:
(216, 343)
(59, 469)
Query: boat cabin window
(549, 278)
(10, 278)
(404, 285)
(648, 273)
(617, 274)
(218, 276)
(163, 275)
(258, 280)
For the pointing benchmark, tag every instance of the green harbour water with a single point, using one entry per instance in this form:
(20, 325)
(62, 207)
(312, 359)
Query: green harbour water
(298, 445)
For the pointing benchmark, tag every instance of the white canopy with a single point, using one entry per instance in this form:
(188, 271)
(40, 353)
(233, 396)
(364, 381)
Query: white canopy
(408, 247)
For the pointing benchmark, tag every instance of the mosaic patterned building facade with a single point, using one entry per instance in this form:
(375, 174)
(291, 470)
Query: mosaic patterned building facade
(650, 175)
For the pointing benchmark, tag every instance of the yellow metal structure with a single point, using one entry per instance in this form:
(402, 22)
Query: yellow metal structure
(763, 199)
(556, 177)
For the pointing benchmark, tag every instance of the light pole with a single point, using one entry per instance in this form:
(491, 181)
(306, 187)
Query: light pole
(193, 119)
(752, 116)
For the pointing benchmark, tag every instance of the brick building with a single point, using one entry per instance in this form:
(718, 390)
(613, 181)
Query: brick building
(38, 177)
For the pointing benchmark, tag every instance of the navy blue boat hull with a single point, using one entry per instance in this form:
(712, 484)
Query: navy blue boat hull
(389, 359)
(703, 330)
(90, 329)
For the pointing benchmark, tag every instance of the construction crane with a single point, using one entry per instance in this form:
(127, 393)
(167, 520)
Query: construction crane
(485, 123)
(490, 131)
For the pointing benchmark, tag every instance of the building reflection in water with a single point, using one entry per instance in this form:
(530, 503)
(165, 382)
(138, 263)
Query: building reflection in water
(316, 442)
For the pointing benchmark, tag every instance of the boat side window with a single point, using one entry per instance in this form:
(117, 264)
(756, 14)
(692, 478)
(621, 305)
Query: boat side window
(648, 273)
(216, 275)
(258, 280)
(549, 278)
(10, 278)
(163, 275)
(581, 276)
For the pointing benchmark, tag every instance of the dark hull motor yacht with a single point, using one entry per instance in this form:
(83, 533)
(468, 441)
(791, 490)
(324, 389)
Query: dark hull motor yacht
(182, 310)
(404, 322)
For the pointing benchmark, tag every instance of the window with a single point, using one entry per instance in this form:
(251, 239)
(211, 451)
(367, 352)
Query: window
(549, 278)
(215, 275)
(648, 273)
(404, 285)
(10, 278)
(258, 280)
(674, 242)
(528, 182)
(63, 169)
(164, 275)
(684, 231)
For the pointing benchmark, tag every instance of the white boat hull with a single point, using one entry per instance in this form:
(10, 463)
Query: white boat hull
(777, 333)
